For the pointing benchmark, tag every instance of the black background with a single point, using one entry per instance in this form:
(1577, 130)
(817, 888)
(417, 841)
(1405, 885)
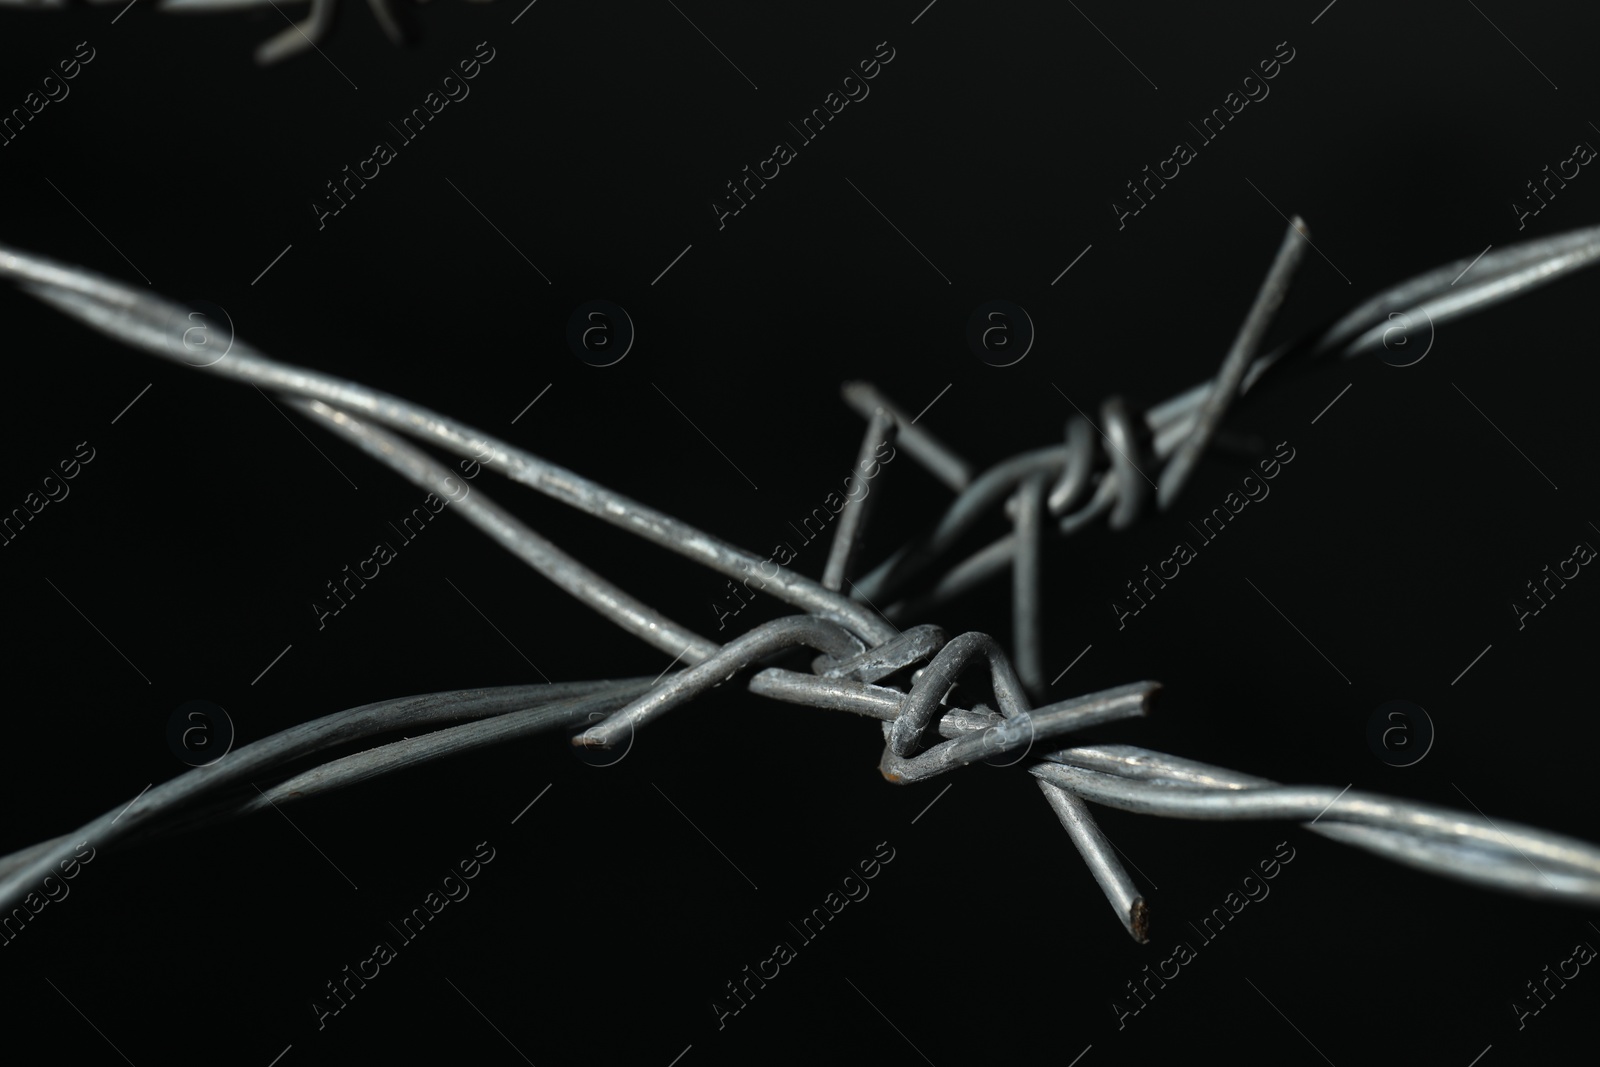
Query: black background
(995, 140)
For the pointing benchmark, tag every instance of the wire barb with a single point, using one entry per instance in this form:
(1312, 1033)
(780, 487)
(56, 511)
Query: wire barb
(1237, 362)
(882, 428)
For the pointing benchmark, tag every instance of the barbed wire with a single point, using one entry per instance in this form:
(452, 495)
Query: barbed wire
(1135, 445)
(298, 37)
(865, 664)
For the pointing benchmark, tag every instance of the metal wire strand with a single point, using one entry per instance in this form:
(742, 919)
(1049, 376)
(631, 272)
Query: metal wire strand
(912, 646)
(1019, 732)
(1455, 289)
(543, 556)
(1231, 376)
(1096, 850)
(1074, 480)
(360, 767)
(940, 460)
(1133, 486)
(1504, 855)
(539, 553)
(996, 556)
(1027, 584)
(963, 577)
(809, 630)
(992, 487)
(931, 683)
(1070, 463)
(144, 319)
(882, 428)
(299, 36)
(1451, 291)
(1470, 848)
(271, 753)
